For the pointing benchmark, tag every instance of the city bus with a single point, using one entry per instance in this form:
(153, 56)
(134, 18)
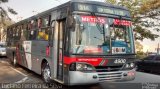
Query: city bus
(79, 42)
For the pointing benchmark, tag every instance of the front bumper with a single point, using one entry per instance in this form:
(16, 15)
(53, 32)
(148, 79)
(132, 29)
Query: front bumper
(83, 78)
(2, 53)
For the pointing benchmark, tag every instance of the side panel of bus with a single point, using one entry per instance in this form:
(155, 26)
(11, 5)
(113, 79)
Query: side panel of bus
(38, 54)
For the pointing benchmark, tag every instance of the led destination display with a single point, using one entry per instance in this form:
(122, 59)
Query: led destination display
(100, 9)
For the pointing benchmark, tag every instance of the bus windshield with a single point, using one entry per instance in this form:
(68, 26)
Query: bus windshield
(101, 35)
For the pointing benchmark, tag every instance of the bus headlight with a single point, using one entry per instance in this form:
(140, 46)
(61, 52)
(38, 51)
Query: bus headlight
(129, 66)
(81, 67)
(132, 65)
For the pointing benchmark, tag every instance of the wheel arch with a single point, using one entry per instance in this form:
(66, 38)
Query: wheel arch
(44, 61)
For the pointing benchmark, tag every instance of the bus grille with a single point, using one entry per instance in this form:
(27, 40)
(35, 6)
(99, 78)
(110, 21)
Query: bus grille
(109, 76)
(107, 68)
(109, 73)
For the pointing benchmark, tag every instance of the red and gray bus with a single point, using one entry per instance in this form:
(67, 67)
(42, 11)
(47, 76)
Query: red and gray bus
(78, 42)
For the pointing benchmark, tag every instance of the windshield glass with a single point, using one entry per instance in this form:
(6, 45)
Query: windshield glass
(101, 35)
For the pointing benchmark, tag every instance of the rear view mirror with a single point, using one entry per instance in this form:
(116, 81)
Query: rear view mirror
(71, 22)
(50, 37)
(51, 29)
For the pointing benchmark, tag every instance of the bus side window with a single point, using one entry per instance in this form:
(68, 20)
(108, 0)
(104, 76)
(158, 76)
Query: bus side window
(44, 27)
(26, 31)
(43, 34)
(8, 40)
(19, 32)
(46, 21)
(23, 32)
(33, 29)
(33, 34)
(15, 31)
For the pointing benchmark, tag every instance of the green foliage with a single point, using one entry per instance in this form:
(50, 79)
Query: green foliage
(111, 1)
(12, 11)
(149, 6)
(4, 18)
(139, 50)
(141, 33)
(141, 12)
(3, 1)
(4, 13)
(139, 46)
(140, 55)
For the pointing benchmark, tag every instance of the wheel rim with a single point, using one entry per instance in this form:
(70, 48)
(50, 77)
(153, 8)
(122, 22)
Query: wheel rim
(46, 74)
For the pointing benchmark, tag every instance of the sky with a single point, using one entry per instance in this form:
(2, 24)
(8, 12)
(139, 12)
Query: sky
(27, 8)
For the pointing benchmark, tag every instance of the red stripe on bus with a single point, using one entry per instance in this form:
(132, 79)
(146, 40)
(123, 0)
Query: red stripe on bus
(18, 55)
(105, 63)
(92, 61)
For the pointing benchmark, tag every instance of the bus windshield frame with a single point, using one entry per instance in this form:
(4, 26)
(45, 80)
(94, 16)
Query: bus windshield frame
(103, 36)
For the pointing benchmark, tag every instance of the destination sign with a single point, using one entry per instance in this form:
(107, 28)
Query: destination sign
(100, 9)
(84, 7)
(122, 22)
(93, 19)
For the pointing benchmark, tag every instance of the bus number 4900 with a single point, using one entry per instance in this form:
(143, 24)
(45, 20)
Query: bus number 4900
(120, 61)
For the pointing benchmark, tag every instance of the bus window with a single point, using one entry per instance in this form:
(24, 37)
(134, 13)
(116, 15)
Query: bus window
(120, 33)
(43, 34)
(39, 23)
(43, 25)
(14, 31)
(19, 32)
(46, 21)
(84, 37)
(32, 29)
(23, 32)
(32, 35)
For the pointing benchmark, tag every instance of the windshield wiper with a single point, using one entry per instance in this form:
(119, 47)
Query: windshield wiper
(98, 26)
(98, 38)
(78, 33)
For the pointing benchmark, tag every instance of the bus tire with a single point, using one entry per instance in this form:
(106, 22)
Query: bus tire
(14, 61)
(46, 73)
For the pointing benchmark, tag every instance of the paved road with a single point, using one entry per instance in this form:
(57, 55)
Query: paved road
(9, 74)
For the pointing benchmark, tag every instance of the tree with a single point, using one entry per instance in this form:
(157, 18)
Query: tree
(4, 31)
(139, 50)
(4, 12)
(139, 46)
(145, 16)
(4, 18)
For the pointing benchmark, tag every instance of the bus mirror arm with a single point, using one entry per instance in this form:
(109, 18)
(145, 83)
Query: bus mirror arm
(50, 41)
(71, 22)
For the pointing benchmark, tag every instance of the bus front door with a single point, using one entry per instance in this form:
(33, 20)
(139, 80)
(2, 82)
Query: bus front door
(58, 49)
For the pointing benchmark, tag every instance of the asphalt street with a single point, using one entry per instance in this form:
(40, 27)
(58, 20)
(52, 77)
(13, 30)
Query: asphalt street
(7, 74)
(10, 74)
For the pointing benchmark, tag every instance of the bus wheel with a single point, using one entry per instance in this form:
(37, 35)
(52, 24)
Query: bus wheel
(14, 61)
(46, 73)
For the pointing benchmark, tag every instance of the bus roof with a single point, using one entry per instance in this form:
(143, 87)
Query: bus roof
(99, 3)
(69, 3)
